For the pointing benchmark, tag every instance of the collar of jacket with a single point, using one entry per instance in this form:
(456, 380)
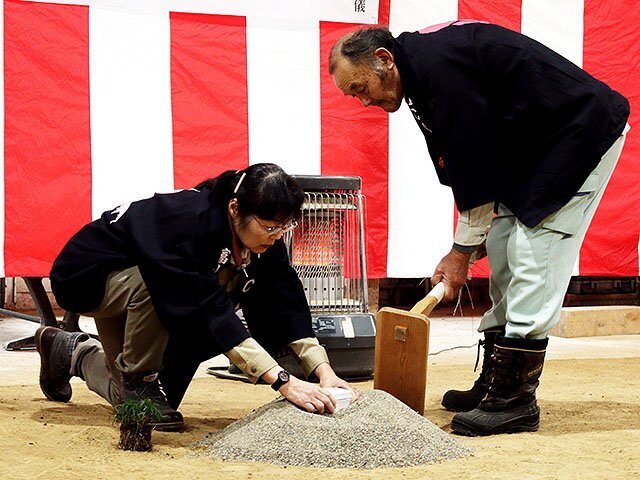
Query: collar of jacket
(407, 75)
(241, 256)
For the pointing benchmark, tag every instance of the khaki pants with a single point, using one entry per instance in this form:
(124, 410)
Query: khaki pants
(132, 338)
(531, 267)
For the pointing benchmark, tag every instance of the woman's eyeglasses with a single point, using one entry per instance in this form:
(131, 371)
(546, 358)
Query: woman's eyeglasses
(276, 230)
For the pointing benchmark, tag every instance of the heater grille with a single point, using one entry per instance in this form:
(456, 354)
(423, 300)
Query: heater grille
(327, 249)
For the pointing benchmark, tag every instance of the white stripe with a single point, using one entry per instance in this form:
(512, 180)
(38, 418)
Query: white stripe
(330, 10)
(412, 15)
(131, 134)
(559, 26)
(420, 209)
(283, 82)
(2, 140)
(333, 10)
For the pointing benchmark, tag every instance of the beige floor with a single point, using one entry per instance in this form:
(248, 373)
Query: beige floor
(589, 396)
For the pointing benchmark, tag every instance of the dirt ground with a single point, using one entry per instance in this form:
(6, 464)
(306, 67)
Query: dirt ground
(590, 430)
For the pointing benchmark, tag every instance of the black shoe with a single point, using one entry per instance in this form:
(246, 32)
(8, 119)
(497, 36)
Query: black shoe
(466, 400)
(55, 347)
(140, 386)
(510, 405)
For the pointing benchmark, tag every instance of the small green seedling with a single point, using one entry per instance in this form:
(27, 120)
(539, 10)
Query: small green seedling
(136, 419)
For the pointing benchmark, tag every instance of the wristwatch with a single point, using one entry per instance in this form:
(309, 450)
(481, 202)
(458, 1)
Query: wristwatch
(283, 377)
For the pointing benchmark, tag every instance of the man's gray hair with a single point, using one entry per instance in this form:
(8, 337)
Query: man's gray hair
(359, 46)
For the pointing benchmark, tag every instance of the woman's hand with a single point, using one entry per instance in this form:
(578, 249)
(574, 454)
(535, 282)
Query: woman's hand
(308, 396)
(328, 378)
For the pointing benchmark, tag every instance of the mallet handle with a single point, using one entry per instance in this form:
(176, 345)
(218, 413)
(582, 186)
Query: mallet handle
(429, 302)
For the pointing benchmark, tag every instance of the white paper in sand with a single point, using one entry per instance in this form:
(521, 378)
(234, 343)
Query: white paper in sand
(343, 397)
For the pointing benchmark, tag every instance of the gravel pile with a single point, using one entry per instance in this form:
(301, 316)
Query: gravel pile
(376, 431)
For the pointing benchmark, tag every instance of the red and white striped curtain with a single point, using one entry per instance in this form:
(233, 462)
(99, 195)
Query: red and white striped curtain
(107, 101)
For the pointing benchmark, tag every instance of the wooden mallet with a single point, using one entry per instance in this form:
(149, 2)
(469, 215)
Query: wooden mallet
(402, 349)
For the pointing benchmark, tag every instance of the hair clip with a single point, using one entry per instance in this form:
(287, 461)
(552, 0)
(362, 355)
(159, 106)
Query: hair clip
(235, 190)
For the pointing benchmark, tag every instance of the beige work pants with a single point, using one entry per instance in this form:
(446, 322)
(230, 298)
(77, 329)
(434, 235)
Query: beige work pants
(132, 338)
(531, 267)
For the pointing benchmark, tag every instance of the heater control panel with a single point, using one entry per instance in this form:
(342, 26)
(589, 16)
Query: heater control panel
(323, 324)
(344, 325)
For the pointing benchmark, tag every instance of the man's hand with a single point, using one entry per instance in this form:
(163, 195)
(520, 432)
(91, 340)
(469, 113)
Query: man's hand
(328, 378)
(452, 269)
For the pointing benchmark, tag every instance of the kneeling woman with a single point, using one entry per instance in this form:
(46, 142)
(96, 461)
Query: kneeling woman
(163, 278)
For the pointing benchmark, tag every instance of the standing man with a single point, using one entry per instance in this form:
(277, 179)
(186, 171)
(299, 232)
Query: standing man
(517, 130)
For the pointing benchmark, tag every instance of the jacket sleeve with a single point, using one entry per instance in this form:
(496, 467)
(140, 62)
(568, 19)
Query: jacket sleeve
(276, 310)
(252, 359)
(309, 354)
(473, 226)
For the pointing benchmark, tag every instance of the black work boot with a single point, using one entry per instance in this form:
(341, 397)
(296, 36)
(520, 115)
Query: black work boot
(510, 405)
(55, 347)
(138, 386)
(465, 400)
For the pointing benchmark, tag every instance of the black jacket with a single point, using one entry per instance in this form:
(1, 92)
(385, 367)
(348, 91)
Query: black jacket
(505, 118)
(176, 240)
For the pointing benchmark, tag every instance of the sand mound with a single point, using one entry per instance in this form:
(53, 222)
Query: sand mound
(376, 431)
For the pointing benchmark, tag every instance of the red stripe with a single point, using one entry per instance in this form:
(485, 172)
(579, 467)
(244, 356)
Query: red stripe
(612, 54)
(507, 13)
(355, 141)
(384, 10)
(47, 134)
(208, 96)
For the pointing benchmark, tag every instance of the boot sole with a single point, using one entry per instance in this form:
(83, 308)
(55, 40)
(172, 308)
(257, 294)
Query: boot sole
(528, 420)
(462, 429)
(44, 370)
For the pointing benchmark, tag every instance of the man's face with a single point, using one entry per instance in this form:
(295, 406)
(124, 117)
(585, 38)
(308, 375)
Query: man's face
(374, 85)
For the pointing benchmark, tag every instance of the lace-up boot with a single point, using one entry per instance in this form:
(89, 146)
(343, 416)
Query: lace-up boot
(510, 404)
(465, 400)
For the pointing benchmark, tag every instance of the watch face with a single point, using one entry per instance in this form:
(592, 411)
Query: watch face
(283, 376)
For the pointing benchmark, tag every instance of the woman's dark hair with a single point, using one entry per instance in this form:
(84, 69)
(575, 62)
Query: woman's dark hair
(265, 190)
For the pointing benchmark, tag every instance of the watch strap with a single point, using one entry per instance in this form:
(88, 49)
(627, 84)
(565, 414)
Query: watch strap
(279, 381)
